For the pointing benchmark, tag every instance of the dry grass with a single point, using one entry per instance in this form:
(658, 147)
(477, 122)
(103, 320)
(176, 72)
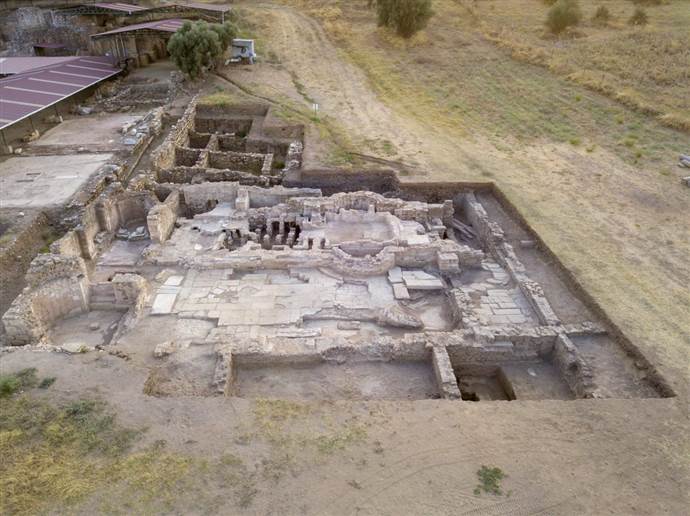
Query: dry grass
(219, 99)
(647, 68)
(59, 458)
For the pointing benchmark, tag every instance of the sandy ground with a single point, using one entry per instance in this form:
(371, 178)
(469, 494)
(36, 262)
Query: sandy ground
(577, 457)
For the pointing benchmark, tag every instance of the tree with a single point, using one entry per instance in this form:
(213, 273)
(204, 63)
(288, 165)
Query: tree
(562, 15)
(405, 16)
(197, 46)
(226, 32)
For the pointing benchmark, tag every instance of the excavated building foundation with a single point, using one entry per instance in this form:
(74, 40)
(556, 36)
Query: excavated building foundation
(358, 288)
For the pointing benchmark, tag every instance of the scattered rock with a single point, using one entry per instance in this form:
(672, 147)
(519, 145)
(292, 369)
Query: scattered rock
(30, 137)
(164, 349)
(686, 180)
(527, 244)
(684, 161)
(119, 354)
(76, 347)
(95, 326)
(84, 110)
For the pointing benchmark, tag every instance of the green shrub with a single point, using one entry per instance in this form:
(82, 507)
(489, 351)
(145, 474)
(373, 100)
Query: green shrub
(47, 382)
(639, 17)
(602, 15)
(563, 14)
(11, 383)
(8, 385)
(489, 480)
(198, 45)
(405, 16)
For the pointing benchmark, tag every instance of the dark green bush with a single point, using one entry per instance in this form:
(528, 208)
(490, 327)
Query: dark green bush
(563, 14)
(405, 16)
(198, 45)
(11, 383)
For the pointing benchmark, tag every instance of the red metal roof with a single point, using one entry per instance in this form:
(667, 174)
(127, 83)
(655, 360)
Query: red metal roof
(13, 65)
(171, 25)
(205, 7)
(120, 6)
(27, 93)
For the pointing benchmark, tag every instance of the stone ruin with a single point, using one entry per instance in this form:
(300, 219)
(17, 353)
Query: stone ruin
(354, 295)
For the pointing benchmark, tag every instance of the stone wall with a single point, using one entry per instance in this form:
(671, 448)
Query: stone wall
(164, 156)
(246, 162)
(239, 109)
(223, 125)
(130, 289)
(186, 157)
(58, 287)
(197, 175)
(161, 218)
(25, 26)
(335, 181)
(68, 245)
(18, 247)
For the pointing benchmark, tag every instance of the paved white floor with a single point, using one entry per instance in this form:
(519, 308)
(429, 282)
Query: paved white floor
(42, 181)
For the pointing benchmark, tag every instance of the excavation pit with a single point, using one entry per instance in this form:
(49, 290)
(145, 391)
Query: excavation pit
(338, 381)
(528, 380)
(453, 298)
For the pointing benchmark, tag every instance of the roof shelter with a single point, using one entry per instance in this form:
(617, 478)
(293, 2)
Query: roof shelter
(142, 42)
(30, 92)
(166, 26)
(15, 65)
(111, 8)
(211, 12)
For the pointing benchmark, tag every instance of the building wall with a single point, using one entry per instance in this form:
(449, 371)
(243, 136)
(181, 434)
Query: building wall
(22, 28)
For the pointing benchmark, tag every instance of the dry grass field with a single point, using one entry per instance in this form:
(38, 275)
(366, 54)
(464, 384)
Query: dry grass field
(647, 68)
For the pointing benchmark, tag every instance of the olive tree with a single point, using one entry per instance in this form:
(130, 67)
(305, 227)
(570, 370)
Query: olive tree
(196, 46)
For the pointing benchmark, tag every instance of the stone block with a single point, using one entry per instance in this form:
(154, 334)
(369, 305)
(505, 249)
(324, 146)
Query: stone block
(400, 292)
(163, 304)
(395, 275)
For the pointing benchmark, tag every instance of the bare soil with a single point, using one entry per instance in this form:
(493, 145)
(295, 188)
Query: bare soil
(407, 457)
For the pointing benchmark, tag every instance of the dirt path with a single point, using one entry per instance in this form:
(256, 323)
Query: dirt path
(342, 90)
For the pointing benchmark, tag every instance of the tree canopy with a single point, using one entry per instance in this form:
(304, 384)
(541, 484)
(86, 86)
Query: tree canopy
(197, 46)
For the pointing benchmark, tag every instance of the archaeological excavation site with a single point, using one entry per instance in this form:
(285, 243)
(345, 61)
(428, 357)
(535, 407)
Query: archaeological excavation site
(232, 271)
(300, 257)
